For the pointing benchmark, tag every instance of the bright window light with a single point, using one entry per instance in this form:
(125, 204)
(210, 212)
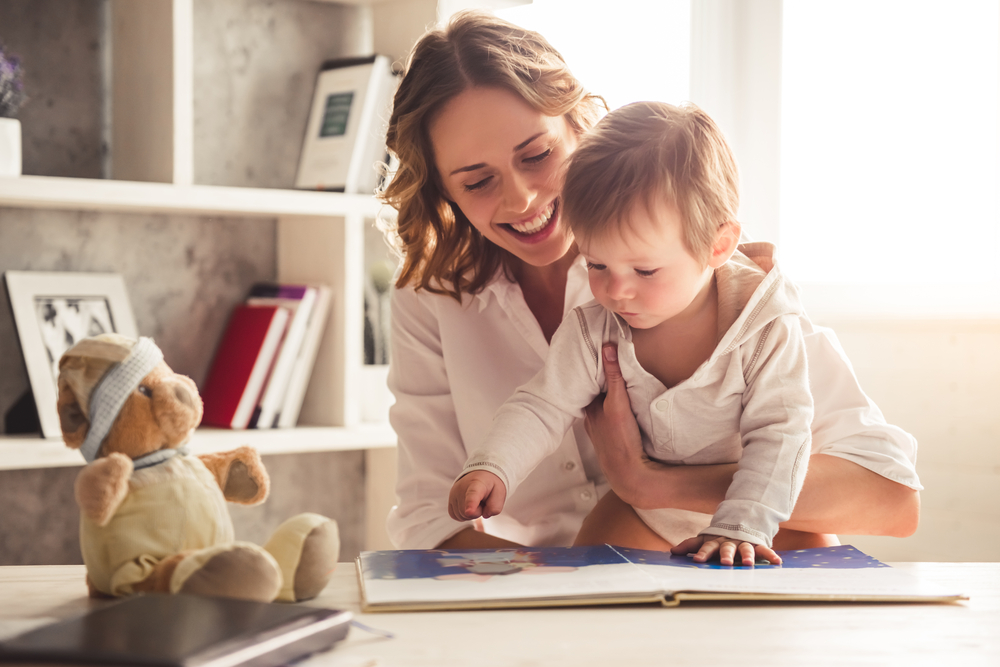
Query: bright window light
(625, 51)
(889, 160)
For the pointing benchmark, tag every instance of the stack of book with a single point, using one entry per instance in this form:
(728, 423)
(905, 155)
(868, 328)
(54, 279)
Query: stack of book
(261, 368)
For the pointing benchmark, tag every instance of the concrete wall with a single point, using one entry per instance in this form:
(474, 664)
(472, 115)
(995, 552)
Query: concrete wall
(60, 44)
(256, 63)
(255, 69)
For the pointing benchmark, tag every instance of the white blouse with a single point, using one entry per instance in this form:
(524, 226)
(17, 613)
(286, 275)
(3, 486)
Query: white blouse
(454, 364)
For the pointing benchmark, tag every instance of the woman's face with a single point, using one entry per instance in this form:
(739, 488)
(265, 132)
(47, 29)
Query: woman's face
(502, 162)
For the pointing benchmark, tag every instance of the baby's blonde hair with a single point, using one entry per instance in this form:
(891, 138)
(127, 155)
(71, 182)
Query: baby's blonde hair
(648, 153)
(442, 251)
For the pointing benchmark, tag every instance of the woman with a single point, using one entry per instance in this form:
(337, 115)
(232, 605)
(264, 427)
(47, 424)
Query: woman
(483, 122)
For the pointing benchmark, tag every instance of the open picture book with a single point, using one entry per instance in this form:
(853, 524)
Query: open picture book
(602, 575)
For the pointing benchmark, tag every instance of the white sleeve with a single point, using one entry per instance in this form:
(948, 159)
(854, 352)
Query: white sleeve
(847, 422)
(775, 431)
(531, 424)
(430, 448)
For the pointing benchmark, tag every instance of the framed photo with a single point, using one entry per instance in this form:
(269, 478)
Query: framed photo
(345, 134)
(52, 311)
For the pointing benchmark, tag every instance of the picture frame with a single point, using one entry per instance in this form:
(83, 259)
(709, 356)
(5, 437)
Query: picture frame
(345, 133)
(54, 310)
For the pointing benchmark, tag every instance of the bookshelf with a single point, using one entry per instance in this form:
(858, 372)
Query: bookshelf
(320, 236)
(320, 239)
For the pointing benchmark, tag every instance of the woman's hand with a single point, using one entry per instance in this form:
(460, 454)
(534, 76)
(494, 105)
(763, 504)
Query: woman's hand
(705, 546)
(839, 496)
(612, 428)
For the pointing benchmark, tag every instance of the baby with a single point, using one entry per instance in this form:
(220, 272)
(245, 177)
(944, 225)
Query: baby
(707, 331)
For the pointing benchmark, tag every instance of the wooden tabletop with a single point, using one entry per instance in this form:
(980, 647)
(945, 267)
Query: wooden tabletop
(739, 634)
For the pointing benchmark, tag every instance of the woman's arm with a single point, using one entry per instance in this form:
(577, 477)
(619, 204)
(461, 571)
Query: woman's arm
(430, 448)
(838, 496)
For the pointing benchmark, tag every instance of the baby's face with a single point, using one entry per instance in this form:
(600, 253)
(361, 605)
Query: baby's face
(644, 272)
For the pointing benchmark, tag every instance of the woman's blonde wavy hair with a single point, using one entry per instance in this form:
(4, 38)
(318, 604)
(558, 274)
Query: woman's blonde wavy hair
(441, 251)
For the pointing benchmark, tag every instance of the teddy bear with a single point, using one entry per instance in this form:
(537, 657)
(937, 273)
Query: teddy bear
(153, 517)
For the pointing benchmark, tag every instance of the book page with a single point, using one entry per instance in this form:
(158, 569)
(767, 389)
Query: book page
(840, 571)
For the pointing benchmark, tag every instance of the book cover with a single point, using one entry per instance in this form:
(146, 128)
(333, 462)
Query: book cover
(242, 362)
(345, 134)
(182, 630)
(569, 576)
(298, 380)
(299, 300)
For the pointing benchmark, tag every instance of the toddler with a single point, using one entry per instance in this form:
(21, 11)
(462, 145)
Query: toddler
(707, 331)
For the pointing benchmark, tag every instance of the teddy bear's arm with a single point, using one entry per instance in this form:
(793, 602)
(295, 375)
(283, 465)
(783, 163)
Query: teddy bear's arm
(240, 473)
(102, 486)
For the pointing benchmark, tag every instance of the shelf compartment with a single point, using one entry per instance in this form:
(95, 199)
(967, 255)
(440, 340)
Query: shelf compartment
(19, 452)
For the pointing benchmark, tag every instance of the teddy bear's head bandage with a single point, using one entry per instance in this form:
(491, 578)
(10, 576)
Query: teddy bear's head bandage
(114, 388)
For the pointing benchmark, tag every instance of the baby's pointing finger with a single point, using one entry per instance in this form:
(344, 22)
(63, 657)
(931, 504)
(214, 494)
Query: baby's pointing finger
(471, 506)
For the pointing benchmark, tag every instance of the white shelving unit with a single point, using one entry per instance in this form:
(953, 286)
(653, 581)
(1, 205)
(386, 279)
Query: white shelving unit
(320, 239)
(320, 235)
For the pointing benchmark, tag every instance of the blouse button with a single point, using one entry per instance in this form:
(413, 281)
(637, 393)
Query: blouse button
(661, 405)
(586, 495)
(569, 465)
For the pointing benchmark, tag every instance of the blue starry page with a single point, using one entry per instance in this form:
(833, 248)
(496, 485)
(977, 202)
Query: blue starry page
(840, 573)
(564, 576)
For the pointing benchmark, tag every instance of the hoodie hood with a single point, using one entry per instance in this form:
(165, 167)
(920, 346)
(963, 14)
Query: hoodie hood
(752, 292)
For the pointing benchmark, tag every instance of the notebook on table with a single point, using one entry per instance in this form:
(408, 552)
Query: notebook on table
(182, 631)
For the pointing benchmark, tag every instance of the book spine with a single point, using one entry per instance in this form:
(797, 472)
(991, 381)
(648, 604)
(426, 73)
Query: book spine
(277, 384)
(298, 380)
(261, 367)
(277, 291)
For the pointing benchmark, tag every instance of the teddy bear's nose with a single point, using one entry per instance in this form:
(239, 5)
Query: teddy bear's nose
(184, 396)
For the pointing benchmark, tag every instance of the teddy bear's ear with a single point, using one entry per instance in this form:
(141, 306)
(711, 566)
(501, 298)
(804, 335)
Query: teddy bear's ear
(80, 369)
(82, 366)
(72, 419)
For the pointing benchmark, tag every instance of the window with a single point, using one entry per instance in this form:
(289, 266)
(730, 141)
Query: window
(867, 131)
(889, 153)
(625, 51)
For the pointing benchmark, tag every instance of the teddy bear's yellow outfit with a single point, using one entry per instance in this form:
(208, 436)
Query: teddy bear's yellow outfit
(171, 507)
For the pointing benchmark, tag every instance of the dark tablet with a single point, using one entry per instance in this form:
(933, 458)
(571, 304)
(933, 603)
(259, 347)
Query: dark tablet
(182, 630)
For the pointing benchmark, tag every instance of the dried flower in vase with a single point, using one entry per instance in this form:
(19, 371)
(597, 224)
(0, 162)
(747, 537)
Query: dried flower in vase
(12, 96)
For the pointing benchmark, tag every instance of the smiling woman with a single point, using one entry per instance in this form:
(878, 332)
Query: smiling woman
(484, 121)
(506, 182)
(473, 75)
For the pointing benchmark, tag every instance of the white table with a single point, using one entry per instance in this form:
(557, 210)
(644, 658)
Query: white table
(739, 634)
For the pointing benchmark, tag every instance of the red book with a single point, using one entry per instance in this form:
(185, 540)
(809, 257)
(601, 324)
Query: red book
(242, 363)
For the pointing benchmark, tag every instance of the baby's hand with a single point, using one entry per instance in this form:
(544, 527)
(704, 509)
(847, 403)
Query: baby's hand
(477, 494)
(705, 546)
